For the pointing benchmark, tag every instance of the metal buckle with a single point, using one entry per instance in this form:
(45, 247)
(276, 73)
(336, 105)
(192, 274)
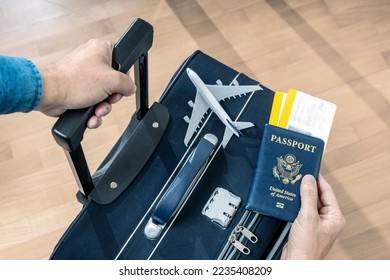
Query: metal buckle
(221, 207)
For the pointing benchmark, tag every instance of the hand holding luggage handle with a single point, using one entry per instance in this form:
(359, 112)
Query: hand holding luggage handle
(137, 142)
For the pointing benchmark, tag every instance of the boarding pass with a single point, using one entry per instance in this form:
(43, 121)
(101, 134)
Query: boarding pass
(301, 112)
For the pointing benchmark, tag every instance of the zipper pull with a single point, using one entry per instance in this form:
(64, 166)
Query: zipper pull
(247, 233)
(239, 246)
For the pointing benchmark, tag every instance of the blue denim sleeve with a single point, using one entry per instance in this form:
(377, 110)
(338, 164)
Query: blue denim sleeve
(20, 85)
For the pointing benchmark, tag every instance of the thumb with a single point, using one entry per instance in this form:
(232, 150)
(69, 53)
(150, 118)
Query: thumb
(309, 195)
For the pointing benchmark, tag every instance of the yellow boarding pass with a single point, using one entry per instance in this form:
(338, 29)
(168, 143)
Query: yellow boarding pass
(277, 105)
(301, 112)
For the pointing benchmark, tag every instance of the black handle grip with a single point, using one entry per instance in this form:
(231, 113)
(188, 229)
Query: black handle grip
(69, 129)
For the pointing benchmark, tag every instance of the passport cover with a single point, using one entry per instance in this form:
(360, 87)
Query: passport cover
(285, 156)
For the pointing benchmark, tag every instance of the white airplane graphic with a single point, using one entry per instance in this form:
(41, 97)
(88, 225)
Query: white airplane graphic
(208, 96)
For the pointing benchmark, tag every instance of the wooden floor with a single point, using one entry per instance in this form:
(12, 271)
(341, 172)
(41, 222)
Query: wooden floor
(338, 50)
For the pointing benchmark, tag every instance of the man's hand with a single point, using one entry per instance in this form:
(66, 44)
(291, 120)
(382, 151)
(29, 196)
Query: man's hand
(84, 78)
(318, 223)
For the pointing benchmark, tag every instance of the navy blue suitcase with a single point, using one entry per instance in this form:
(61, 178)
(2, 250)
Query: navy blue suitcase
(158, 196)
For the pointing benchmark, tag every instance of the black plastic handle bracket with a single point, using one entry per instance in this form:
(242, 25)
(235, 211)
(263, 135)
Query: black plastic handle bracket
(131, 153)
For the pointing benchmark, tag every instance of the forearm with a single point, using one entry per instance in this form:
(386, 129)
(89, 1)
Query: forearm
(52, 102)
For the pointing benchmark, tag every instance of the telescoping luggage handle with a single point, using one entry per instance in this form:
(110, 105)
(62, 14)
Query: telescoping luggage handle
(137, 142)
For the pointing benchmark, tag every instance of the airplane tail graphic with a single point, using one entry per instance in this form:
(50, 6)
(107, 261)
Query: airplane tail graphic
(234, 127)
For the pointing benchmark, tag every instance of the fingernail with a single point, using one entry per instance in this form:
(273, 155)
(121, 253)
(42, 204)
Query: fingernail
(94, 123)
(309, 180)
(92, 126)
(107, 110)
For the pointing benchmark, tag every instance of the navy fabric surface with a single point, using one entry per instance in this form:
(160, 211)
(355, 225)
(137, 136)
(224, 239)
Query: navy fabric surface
(104, 231)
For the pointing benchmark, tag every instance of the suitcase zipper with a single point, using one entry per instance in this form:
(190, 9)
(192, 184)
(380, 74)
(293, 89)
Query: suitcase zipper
(247, 233)
(241, 235)
(233, 239)
(238, 245)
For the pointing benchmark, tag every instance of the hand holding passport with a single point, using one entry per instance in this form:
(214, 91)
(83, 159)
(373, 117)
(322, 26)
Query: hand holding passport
(292, 146)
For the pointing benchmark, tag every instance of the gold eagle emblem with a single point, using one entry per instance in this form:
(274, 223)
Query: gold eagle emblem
(287, 169)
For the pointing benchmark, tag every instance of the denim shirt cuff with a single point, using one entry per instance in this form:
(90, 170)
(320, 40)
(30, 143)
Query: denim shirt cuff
(20, 85)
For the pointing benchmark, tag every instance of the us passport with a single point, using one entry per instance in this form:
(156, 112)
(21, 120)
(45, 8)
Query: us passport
(285, 156)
